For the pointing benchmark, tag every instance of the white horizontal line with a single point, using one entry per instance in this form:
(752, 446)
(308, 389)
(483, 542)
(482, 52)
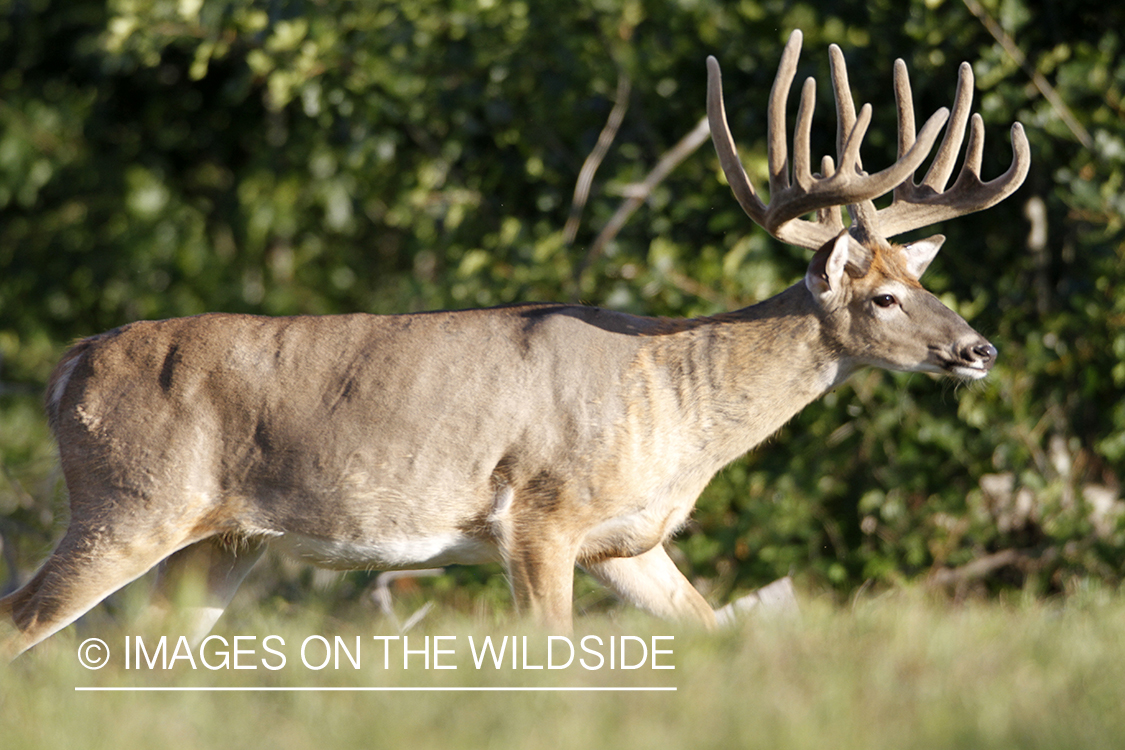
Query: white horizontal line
(384, 689)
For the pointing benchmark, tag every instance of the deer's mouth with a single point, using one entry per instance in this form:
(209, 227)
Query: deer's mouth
(971, 371)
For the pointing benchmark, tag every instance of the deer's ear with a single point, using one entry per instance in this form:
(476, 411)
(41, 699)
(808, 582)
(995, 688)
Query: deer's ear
(826, 271)
(919, 254)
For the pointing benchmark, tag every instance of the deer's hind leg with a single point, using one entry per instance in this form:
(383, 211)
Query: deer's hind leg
(207, 574)
(93, 559)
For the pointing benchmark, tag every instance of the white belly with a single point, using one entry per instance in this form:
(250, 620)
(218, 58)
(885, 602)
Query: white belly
(388, 554)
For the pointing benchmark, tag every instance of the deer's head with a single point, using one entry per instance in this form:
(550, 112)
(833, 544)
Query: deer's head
(867, 289)
(874, 308)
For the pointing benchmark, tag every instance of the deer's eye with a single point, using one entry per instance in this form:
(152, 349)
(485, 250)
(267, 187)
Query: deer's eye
(885, 300)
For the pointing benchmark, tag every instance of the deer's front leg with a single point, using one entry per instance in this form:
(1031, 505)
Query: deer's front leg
(541, 571)
(538, 554)
(652, 582)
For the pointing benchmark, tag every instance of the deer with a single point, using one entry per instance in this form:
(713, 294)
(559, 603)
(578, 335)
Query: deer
(544, 436)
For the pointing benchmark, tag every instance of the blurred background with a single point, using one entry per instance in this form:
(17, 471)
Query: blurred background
(162, 158)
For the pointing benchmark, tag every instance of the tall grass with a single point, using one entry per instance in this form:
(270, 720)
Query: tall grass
(897, 672)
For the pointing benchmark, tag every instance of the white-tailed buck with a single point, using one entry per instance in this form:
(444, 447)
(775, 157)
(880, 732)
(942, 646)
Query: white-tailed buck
(541, 435)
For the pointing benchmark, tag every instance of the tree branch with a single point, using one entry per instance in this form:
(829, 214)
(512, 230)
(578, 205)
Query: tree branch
(594, 160)
(640, 192)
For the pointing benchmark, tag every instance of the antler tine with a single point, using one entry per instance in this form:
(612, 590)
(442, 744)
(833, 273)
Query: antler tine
(778, 217)
(929, 202)
(802, 136)
(946, 158)
(848, 139)
(789, 201)
(845, 106)
(829, 217)
(777, 151)
(866, 221)
(904, 103)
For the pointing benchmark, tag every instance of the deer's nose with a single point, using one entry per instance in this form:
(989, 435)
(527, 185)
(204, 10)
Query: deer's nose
(982, 352)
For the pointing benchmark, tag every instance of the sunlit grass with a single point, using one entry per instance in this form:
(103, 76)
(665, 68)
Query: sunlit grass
(900, 671)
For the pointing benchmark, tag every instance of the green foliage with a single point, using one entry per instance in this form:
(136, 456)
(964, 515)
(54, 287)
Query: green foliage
(164, 158)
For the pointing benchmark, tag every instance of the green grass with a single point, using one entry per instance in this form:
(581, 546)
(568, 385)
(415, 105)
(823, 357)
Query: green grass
(901, 671)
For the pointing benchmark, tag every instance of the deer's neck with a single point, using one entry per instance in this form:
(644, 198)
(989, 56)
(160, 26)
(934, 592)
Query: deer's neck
(740, 376)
